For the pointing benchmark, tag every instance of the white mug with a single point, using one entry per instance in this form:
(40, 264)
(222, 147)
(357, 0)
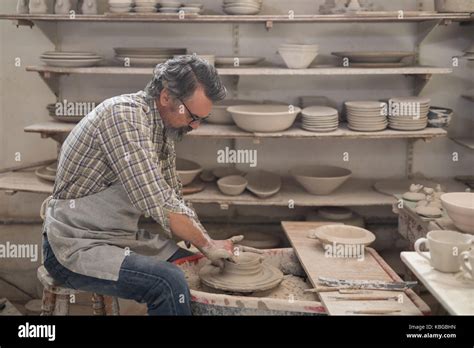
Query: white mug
(41, 6)
(467, 261)
(445, 248)
(89, 7)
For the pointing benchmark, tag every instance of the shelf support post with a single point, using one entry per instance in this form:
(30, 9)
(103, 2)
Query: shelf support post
(52, 81)
(420, 82)
(410, 157)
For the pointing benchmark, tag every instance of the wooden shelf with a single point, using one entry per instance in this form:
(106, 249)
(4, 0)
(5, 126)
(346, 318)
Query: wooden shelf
(366, 16)
(466, 142)
(49, 128)
(355, 192)
(253, 71)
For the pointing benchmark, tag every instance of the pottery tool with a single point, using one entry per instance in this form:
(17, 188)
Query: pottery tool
(365, 298)
(347, 289)
(364, 284)
(376, 311)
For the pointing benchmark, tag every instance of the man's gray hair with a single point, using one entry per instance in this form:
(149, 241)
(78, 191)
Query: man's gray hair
(182, 75)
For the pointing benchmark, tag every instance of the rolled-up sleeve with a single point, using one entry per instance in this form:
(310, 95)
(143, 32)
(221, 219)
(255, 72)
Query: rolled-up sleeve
(125, 138)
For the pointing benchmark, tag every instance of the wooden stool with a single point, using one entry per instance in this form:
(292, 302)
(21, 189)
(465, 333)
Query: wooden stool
(56, 298)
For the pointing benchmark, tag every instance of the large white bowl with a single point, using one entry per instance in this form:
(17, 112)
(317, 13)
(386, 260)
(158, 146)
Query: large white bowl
(320, 180)
(297, 58)
(219, 113)
(460, 208)
(187, 170)
(264, 118)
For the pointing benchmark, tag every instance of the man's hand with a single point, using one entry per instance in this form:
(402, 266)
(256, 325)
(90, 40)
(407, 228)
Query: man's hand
(219, 250)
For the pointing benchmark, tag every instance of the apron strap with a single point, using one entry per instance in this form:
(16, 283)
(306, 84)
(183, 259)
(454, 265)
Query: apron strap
(44, 206)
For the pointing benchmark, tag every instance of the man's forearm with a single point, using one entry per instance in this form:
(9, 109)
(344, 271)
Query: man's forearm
(188, 229)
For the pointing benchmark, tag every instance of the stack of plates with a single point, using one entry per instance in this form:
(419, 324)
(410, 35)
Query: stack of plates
(375, 59)
(146, 6)
(193, 8)
(170, 6)
(209, 57)
(320, 119)
(409, 113)
(70, 59)
(469, 53)
(242, 7)
(120, 6)
(366, 116)
(238, 60)
(146, 56)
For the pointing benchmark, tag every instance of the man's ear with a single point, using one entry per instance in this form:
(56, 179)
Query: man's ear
(165, 98)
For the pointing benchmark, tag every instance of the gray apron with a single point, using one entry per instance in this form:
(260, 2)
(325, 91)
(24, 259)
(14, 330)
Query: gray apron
(92, 235)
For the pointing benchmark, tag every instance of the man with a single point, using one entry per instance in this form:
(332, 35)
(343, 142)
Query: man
(117, 164)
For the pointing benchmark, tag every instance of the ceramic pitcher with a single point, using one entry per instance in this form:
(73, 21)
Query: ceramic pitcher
(89, 7)
(64, 6)
(22, 7)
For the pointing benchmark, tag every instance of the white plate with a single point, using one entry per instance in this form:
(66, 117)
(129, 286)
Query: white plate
(229, 60)
(238, 10)
(145, 9)
(71, 63)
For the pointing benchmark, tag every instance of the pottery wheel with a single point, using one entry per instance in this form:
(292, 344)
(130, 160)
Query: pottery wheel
(248, 274)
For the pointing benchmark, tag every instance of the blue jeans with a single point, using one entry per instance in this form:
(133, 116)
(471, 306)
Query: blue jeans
(159, 284)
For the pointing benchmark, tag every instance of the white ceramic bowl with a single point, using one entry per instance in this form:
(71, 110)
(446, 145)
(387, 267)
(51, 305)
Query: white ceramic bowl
(232, 185)
(343, 234)
(219, 113)
(264, 118)
(460, 208)
(320, 180)
(297, 58)
(187, 170)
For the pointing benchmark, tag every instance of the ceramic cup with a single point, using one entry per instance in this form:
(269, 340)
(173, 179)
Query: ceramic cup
(64, 6)
(467, 262)
(89, 7)
(41, 6)
(22, 7)
(445, 248)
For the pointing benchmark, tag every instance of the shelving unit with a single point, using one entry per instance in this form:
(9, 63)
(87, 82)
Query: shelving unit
(361, 193)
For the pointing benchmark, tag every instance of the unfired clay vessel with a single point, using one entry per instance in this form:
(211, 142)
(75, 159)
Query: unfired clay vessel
(248, 274)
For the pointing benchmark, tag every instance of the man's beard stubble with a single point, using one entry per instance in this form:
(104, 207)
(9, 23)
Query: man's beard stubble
(177, 134)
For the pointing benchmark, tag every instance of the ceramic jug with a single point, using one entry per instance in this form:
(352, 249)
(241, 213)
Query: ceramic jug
(22, 7)
(89, 7)
(64, 6)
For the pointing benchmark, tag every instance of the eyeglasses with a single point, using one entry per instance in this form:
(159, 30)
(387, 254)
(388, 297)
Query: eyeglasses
(194, 118)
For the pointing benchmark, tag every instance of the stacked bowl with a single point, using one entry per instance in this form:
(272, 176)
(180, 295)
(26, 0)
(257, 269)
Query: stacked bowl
(298, 56)
(409, 113)
(242, 7)
(146, 56)
(192, 8)
(320, 119)
(120, 6)
(366, 116)
(146, 6)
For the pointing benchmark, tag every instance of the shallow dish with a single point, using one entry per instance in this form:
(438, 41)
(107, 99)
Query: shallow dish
(263, 118)
(342, 234)
(232, 185)
(321, 180)
(187, 170)
(263, 184)
(219, 113)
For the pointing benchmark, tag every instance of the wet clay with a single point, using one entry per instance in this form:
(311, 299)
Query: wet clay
(247, 274)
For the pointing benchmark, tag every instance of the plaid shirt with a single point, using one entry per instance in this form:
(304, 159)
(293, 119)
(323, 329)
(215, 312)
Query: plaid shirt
(123, 139)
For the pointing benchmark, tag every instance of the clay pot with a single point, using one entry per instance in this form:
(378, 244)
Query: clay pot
(187, 170)
(321, 180)
(232, 185)
(460, 208)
